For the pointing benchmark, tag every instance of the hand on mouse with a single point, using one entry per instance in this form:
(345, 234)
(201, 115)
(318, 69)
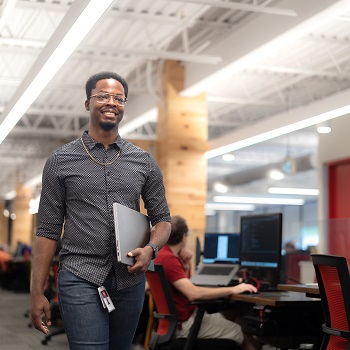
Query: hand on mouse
(245, 287)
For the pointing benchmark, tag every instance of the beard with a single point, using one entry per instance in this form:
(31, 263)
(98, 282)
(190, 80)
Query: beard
(107, 126)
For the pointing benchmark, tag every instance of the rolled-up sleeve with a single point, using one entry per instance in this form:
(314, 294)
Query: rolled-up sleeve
(52, 201)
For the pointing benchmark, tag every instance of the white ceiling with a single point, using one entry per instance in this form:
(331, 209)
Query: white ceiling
(262, 63)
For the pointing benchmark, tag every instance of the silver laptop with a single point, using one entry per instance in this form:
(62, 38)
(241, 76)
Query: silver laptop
(132, 230)
(220, 262)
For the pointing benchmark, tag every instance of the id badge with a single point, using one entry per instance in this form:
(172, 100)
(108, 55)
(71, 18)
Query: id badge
(105, 299)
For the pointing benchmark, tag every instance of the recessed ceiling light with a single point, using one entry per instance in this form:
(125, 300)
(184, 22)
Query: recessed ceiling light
(323, 129)
(218, 187)
(228, 157)
(276, 175)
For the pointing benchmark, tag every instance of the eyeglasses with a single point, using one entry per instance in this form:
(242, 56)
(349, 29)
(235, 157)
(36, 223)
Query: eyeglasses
(105, 97)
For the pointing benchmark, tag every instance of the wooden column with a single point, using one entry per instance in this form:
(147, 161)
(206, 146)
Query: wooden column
(22, 225)
(182, 135)
(4, 222)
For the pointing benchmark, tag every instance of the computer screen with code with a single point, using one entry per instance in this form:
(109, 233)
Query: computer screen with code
(260, 245)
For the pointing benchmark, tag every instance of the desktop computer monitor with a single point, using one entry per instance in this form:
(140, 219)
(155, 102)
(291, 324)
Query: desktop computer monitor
(221, 248)
(260, 247)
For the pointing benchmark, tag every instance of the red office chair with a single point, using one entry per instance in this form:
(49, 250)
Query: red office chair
(163, 337)
(333, 279)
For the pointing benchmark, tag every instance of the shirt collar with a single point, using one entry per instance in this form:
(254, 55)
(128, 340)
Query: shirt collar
(91, 143)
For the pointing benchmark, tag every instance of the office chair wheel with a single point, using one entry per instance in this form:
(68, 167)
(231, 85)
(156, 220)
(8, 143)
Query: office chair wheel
(46, 339)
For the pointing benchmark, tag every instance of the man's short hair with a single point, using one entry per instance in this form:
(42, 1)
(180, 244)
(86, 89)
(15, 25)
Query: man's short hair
(178, 229)
(92, 81)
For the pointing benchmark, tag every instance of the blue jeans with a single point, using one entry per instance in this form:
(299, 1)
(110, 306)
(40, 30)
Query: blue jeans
(88, 325)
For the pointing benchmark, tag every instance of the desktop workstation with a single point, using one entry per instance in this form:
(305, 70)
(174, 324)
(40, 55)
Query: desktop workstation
(253, 255)
(282, 318)
(278, 315)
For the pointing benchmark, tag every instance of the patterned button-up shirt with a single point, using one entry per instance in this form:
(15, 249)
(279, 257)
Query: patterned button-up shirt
(79, 193)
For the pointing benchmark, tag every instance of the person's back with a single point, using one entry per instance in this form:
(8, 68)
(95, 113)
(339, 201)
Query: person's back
(4, 258)
(174, 271)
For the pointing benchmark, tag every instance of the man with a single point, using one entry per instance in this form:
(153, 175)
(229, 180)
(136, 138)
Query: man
(175, 258)
(81, 181)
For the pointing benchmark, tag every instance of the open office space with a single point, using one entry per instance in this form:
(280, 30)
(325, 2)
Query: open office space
(227, 96)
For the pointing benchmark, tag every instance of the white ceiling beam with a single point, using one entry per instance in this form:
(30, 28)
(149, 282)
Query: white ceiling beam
(6, 8)
(35, 5)
(126, 15)
(153, 54)
(243, 7)
(19, 42)
(298, 71)
(241, 101)
(282, 120)
(53, 132)
(265, 93)
(247, 49)
(145, 54)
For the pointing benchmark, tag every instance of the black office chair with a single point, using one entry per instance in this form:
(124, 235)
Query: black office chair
(163, 336)
(332, 274)
(199, 252)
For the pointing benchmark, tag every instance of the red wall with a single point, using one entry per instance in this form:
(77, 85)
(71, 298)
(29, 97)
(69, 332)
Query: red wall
(339, 208)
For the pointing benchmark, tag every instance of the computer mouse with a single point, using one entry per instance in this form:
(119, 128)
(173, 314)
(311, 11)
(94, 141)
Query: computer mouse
(248, 292)
(252, 280)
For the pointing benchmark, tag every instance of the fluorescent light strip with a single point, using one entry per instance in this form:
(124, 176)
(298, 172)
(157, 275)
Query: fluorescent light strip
(259, 200)
(278, 132)
(295, 191)
(227, 206)
(147, 117)
(87, 19)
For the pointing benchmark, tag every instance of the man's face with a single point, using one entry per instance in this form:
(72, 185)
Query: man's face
(106, 115)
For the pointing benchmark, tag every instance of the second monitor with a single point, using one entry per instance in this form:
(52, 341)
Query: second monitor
(260, 247)
(221, 248)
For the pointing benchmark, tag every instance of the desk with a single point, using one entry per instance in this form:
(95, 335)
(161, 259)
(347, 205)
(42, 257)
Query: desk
(308, 289)
(283, 318)
(277, 299)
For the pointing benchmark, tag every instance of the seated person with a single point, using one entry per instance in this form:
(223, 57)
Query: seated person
(4, 258)
(175, 258)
